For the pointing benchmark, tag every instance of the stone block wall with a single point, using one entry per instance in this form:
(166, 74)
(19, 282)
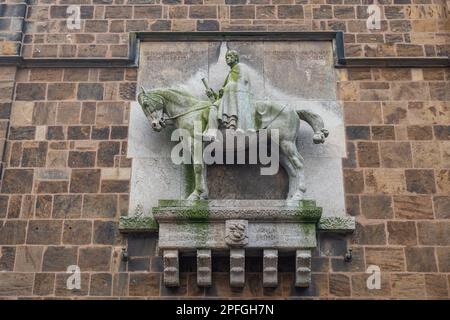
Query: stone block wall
(66, 177)
(409, 28)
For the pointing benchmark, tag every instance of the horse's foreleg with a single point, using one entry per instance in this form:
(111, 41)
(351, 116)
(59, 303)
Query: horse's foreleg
(210, 133)
(200, 188)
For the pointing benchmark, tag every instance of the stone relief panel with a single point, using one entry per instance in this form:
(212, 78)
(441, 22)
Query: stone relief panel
(300, 74)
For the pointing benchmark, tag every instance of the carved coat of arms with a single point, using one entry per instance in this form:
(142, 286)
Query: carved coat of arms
(236, 233)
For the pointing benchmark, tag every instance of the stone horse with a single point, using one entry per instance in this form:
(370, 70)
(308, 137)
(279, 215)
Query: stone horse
(160, 105)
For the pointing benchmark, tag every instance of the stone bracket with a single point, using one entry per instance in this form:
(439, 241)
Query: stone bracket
(171, 268)
(237, 268)
(270, 268)
(204, 270)
(302, 268)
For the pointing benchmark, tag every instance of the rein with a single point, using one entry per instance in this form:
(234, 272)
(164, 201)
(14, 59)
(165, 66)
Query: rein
(278, 114)
(187, 112)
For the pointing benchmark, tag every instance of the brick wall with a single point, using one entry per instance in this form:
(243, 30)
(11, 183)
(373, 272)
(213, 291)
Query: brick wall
(66, 176)
(408, 28)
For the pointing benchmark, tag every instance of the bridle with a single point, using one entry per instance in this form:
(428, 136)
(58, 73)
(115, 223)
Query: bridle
(164, 116)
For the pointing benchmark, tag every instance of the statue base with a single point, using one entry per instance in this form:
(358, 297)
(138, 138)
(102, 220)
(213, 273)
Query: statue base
(237, 227)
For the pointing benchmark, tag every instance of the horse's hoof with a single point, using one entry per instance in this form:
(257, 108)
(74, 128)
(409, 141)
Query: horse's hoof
(318, 138)
(193, 196)
(297, 196)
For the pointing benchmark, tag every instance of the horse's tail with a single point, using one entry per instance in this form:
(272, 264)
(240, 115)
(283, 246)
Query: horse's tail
(314, 120)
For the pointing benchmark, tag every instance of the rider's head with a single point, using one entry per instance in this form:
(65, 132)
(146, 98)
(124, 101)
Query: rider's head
(232, 57)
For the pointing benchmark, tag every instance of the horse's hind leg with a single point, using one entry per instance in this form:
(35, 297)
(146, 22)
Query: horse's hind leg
(286, 164)
(298, 163)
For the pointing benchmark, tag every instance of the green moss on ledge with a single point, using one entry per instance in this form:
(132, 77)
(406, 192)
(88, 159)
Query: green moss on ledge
(308, 211)
(137, 224)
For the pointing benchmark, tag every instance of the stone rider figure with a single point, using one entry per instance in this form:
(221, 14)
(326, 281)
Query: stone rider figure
(234, 101)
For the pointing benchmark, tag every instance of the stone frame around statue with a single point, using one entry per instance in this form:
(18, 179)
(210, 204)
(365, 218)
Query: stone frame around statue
(176, 219)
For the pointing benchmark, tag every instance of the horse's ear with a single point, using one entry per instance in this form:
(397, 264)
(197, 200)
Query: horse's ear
(142, 89)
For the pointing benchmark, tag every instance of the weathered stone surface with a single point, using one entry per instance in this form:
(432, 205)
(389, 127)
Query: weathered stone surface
(383, 132)
(16, 284)
(13, 232)
(109, 113)
(413, 207)
(115, 186)
(426, 154)
(376, 206)
(44, 284)
(402, 233)
(44, 232)
(368, 154)
(373, 233)
(85, 181)
(90, 91)
(7, 258)
(442, 207)
(28, 259)
(139, 264)
(353, 181)
(362, 113)
(332, 244)
(77, 232)
(408, 285)
(52, 186)
(34, 155)
(436, 285)
(106, 152)
(100, 206)
(61, 91)
(434, 232)
(340, 285)
(78, 132)
(67, 206)
(57, 258)
(388, 259)
(144, 284)
(420, 259)
(387, 181)
(95, 259)
(358, 132)
(81, 159)
(141, 245)
(420, 181)
(17, 181)
(420, 132)
(395, 154)
(30, 91)
(106, 232)
(443, 256)
(101, 284)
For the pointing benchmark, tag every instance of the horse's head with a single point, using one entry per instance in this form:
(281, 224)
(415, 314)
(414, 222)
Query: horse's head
(153, 106)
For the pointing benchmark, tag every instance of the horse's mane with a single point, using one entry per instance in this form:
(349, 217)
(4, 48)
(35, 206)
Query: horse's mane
(175, 95)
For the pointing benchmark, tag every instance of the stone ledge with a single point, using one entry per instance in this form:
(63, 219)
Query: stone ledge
(337, 224)
(137, 224)
(253, 210)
